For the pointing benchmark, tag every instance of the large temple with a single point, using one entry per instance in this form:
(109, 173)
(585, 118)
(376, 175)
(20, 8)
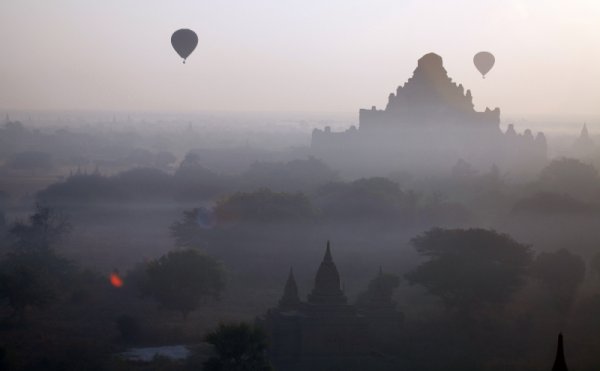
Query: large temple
(326, 331)
(429, 123)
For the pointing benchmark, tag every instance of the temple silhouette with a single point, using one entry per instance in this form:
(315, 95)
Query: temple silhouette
(584, 146)
(428, 124)
(326, 331)
(560, 364)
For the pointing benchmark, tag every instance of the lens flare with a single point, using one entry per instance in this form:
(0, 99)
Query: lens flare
(115, 279)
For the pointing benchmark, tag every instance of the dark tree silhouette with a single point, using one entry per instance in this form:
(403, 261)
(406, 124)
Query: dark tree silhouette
(364, 199)
(44, 229)
(32, 273)
(567, 175)
(238, 347)
(180, 280)
(470, 268)
(561, 272)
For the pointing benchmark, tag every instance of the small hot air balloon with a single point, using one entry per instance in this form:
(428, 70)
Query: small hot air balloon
(484, 61)
(184, 42)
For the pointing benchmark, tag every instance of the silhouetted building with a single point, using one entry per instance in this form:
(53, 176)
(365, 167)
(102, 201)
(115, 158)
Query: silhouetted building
(584, 146)
(428, 124)
(559, 362)
(325, 331)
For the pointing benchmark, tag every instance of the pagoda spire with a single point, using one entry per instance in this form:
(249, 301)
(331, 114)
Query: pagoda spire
(327, 282)
(559, 362)
(584, 131)
(327, 258)
(290, 298)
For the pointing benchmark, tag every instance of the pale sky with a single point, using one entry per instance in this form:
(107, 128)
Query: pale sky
(294, 55)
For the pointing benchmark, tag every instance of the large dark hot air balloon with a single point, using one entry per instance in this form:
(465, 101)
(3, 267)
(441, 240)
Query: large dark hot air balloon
(484, 61)
(184, 42)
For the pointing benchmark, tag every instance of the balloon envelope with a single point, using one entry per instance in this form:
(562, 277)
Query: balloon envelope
(184, 42)
(484, 61)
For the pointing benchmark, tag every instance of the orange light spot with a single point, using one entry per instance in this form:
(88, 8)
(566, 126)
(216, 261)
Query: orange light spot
(115, 280)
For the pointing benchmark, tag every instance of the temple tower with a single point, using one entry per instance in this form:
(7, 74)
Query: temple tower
(559, 362)
(290, 299)
(327, 283)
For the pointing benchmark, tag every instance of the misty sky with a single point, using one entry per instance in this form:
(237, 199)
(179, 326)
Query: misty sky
(292, 55)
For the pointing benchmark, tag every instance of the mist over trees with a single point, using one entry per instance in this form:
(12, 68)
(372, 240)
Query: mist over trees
(484, 266)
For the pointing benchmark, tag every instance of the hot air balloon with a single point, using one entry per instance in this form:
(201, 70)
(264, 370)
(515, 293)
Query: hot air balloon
(484, 61)
(184, 42)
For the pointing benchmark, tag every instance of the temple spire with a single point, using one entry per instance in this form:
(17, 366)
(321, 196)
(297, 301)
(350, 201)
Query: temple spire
(327, 258)
(290, 298)
(327, 282)
(559, 362)
(584, 131)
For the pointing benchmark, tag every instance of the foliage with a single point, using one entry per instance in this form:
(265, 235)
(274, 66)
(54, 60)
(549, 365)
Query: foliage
(561, 272)
(238, 347)
(33, 274)
(181, 279)
(264, 206)
(45, 228)
(568, 175)
(364, 198)
(468, 268)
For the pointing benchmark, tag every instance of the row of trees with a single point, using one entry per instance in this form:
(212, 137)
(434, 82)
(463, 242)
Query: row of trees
(474, 268)
(33, 273)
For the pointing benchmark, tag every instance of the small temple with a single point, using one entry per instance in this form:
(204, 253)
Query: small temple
(584, 147)
(325, 330)
(428, 123)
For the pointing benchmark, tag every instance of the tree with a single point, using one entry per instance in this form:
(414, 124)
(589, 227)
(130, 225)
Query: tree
(364, 199)
(470, 268)
(238, 347)
(44, 229)
(32, 280)
(181, 279)
(561, 272)
(568, 175)
(33, 274)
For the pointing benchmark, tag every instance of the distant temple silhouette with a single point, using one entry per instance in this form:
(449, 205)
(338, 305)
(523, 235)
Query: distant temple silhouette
(325, 330)
(584, 147)
(559, 362)
(430, 120)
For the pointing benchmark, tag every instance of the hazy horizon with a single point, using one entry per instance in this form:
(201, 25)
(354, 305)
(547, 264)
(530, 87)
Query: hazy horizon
(294, 57)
